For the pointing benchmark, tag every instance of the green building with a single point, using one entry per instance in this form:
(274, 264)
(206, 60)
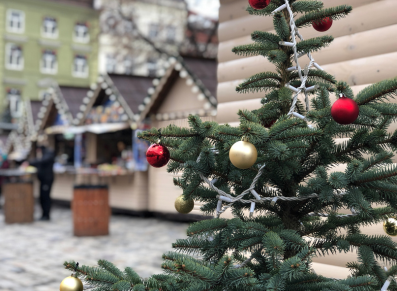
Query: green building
(43, 41)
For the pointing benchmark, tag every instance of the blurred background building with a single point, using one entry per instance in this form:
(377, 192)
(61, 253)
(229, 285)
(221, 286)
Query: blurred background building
(44, 42)
(138, 36)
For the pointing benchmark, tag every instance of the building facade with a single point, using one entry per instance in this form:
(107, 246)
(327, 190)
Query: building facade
(122, 47)
(44, 41)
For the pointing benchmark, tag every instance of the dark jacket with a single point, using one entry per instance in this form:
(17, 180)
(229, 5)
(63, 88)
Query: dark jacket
(45, 166)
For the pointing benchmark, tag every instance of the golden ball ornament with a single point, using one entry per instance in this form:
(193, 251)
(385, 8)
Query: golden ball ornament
(243, 155)
(390, 226)
(71, 284)
(184, 206)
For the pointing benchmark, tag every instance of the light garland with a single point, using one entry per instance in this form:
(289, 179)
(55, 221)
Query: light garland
(303, 74)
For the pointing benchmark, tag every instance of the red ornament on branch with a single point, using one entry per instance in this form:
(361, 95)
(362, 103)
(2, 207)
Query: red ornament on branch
(157, 155)
(345, 110)
(259, 4)
(270, 123)
(323, 24)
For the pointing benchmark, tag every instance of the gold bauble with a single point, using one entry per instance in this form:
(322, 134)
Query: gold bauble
(71, 284)
(184, 206)
(390, 226)
(243, 155)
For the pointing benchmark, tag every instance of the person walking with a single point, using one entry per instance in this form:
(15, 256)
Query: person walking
(45, 174)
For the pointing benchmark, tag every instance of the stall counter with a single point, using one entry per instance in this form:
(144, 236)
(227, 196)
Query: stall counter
(128, 191)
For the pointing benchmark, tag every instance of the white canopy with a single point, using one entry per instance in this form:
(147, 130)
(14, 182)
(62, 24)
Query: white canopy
(93, 128)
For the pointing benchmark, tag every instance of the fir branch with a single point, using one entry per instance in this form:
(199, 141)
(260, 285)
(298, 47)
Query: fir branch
(306, 6)
(335, 13)
(254, 49)
(378, 92)
(265, 37)
(314, 44)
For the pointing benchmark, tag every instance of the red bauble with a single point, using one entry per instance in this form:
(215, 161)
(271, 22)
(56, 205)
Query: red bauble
(259, 4)
(345, 110)
(270, 123)
(323, 24)
(157, 155)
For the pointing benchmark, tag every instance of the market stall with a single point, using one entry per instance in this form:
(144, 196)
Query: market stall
(187, 87)
(97, 146)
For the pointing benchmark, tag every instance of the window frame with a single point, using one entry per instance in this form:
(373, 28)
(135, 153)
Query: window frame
(169, 39)
(43, 94)
(157, 30)
(152, 67)
(8, 20)
(128, 70)
(79, 38)
(77, 74)
(11, 66)
(111, 58)
(50, 35)
(49, 71)
(17, 102)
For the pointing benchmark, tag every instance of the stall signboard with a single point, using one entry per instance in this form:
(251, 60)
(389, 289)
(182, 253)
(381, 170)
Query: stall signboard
(139, 150)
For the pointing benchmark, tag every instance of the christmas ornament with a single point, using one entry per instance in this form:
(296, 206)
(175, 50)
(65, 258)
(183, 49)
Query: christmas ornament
(323, 24)
(243, 154)
(259, 4)
(184, 206)
(157, 155)
(345, 110)
(390, 226)
(71, 284)
(270, 123)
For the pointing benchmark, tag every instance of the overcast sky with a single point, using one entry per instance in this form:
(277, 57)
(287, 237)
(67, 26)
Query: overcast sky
(206, 7)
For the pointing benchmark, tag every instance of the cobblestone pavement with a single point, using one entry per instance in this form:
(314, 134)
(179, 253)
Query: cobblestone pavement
(32, 255)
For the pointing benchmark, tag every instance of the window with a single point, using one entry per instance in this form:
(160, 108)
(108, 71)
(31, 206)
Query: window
(49, 64)
(128, 66)
(44, 94)
(152, 67)
(110, 64)
(14, 57)
(15, 102)
(50, 27)
(170, 34)
(153, 30)
(80, 66)
(15, 21)
(81, 32)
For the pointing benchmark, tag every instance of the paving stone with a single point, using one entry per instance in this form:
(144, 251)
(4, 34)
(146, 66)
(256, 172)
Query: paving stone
(32, 255)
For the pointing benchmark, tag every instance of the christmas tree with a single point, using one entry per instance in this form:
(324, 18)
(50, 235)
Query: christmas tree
(273, 173)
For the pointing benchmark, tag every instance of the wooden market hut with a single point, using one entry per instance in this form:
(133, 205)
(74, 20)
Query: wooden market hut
(364, 52)
(188, 86)
(103, 133)
(18, 144)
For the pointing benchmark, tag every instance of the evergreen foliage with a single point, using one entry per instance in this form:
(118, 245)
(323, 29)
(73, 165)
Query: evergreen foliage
(272, 250)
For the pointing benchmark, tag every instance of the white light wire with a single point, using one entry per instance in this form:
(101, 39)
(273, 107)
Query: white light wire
(302, 75)
(225, 197)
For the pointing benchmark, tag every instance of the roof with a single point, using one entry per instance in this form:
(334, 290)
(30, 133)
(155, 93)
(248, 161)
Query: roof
(73, 97)
(133, 88)
(201, 75)
(35, 107)
(205, 70)
(83, 3)
(128, 90)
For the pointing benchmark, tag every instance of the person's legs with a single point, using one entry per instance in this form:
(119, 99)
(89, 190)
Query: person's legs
(45, 198)
(42, 198)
